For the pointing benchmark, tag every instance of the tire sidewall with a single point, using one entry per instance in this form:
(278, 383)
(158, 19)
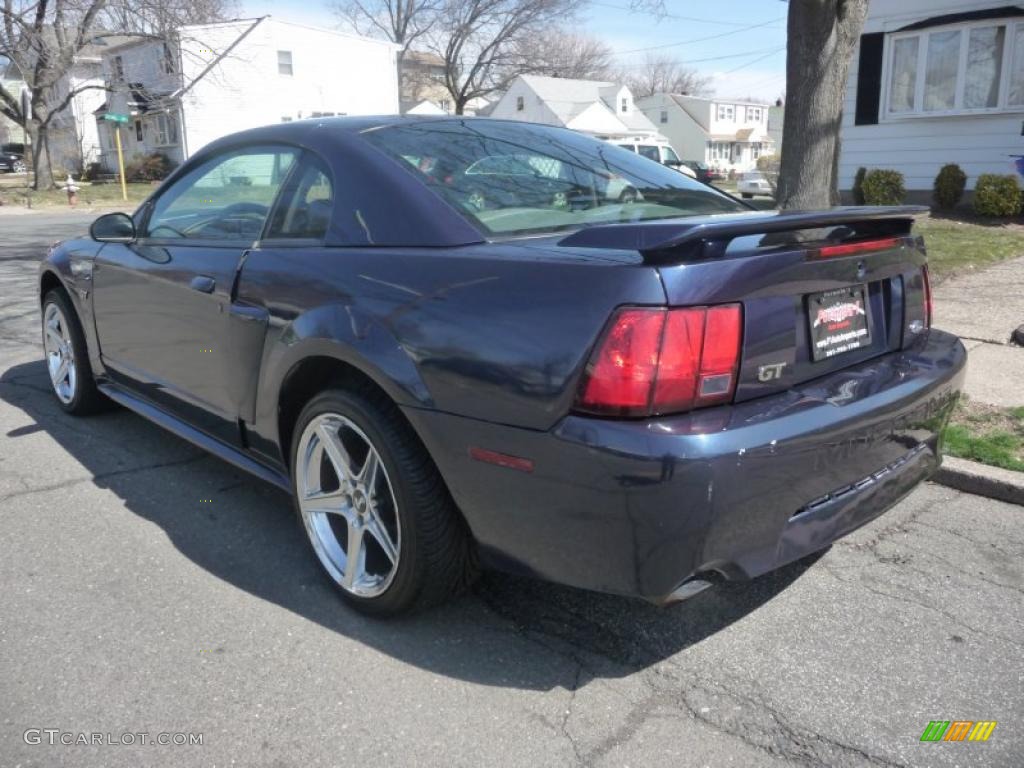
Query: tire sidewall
(78, 348)
(402, 591)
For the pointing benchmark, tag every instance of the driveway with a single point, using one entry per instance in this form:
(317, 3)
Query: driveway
(147, 588)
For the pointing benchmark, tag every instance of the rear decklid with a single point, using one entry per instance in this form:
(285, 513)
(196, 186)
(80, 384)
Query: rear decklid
(820, 290)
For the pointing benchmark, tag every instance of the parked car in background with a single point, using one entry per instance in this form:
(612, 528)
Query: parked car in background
(701, 171)
(658, 150)
(11, 162)
(752, 183)
(451, 347)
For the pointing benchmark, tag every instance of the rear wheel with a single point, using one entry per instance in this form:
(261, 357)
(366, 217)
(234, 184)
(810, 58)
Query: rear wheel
(748, 195)
(67, 357)
(374, 508)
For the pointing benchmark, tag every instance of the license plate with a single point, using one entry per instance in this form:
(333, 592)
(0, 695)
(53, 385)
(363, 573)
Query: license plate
(839, 321)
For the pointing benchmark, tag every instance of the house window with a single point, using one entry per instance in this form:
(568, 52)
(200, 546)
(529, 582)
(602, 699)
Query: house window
(754, 114)
(625, 104)
(284, 62)
(755, 150)
(138, 130)
(446, 105)
(118, 69)
(664, 116)
(726, 112)
(519, 103)
(956, 70)
(166, 130)
(721, 150)
(167, 60)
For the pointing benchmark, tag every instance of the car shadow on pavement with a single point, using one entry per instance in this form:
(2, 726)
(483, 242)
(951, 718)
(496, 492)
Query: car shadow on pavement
(244, 532)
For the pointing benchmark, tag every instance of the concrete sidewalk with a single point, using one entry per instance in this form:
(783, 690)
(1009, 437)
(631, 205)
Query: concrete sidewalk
(983, 309)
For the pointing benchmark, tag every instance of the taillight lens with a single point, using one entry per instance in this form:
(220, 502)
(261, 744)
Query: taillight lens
(927, 296)
(864, 246)
(654, 361)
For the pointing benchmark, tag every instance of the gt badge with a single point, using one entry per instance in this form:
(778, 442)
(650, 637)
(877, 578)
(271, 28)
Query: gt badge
(773, 372)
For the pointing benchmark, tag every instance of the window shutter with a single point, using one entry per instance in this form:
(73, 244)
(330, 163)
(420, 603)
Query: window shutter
(869, 79)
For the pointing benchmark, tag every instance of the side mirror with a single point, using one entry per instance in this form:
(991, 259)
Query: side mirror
(113, 228)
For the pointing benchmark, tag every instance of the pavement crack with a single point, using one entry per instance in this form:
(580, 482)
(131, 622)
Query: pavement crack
(103, 476)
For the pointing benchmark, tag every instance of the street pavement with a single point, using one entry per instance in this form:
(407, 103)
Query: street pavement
(983, 308)
(146, 587)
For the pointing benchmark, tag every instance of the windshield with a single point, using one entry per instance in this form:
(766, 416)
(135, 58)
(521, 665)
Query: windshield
(519, 178)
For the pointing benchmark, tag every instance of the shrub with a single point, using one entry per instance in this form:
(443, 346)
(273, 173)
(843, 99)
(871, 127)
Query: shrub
(858, 186)
(883, 187)
(949, 186)
(996, 195)
(152, 167)
(769, 166)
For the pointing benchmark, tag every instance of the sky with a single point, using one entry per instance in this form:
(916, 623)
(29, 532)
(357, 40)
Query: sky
(740, 44)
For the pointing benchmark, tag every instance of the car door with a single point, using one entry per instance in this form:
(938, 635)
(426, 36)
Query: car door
(164, 308)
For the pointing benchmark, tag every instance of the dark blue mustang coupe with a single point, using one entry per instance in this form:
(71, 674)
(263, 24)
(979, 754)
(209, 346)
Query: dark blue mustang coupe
(461, 342)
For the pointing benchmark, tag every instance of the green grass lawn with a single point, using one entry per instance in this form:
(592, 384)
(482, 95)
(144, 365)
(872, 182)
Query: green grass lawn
(100, 195)
(987, 434)
(956, 246)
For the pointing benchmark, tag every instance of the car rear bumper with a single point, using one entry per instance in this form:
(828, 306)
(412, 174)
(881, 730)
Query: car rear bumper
(640, 507)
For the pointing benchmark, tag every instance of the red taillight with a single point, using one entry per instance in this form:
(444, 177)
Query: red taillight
(848, 249)
(653, 361)
(927, 296)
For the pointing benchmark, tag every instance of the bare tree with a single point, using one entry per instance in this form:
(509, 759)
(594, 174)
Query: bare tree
(663, 73)
(478, 40)
(822, 35)
(561, 53)
(43, 38)
(403, 22)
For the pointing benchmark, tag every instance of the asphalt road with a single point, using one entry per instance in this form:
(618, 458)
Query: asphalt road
(130, 605)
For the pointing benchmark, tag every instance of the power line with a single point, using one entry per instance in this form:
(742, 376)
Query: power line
(759, 58)
(699, 39)
(674, 16)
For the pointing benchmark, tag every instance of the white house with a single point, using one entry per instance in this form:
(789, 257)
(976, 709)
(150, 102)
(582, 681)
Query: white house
(73, 139)
(216, 79)
(935, 82)
(727, 135)
(602, 109)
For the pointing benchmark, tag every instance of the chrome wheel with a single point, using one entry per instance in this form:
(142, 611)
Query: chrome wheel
(348, 505)
(60, 353)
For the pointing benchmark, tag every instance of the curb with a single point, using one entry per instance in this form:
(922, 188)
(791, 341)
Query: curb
(981, 480)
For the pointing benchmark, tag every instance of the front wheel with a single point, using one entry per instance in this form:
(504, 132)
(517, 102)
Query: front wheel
(748, 195)
(67, 357)
(374, 508)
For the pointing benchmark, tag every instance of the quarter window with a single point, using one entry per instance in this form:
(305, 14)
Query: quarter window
(226, 198)
(306, 204)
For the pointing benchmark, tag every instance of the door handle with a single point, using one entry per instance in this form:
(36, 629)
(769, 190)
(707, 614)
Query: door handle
(203, 284)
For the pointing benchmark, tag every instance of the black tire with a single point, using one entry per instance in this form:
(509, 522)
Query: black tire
(748, 195)
(86, 399)
(437, 558)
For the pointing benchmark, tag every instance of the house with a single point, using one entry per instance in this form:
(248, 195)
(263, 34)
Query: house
(934, 82)
(422, 84)
(215, 79)
(601, 109)
(776, 119)
(73, 139)
(728, 135)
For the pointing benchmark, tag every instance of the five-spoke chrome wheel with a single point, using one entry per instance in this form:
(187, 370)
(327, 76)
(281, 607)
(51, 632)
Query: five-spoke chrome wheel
(348, 505)
(60, 353)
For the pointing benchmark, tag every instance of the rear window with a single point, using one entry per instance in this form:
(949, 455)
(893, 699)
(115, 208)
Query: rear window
(516, 178)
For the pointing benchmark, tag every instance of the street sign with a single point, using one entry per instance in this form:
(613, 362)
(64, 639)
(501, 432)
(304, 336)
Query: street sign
(115, 118)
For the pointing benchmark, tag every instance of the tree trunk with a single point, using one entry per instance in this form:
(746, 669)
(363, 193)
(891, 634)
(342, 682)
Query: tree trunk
(42, 172)
(822, 35)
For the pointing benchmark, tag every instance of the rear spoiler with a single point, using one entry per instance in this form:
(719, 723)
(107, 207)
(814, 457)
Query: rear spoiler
(653, 238)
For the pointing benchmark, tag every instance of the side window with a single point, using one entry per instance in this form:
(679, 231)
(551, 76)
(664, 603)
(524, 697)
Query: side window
(306, 203)
(650, 152)
(226, 198)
